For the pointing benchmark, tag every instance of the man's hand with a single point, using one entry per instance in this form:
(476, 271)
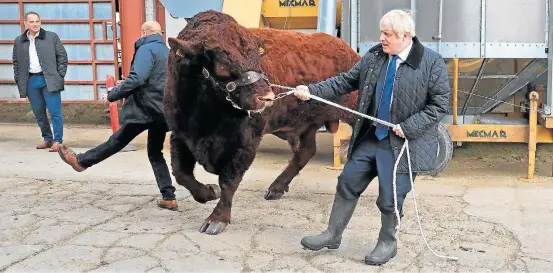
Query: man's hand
(105, 98)
(302, 92)
(398, 131)
(120, 81)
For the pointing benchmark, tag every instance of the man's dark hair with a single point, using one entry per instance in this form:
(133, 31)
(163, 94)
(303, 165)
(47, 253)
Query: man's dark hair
(31, 12)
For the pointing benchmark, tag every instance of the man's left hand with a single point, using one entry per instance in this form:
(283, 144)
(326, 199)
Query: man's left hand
(398, 131)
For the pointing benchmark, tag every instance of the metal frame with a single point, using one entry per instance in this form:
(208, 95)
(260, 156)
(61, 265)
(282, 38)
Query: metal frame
(93, 42)
(532, 71)
(482, 49)
(475, 85)
(448, 49)
(548, 99)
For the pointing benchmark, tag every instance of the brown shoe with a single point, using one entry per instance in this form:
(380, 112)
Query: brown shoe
(44, 145)
(69, 157)
(168, 204)
(55, 147)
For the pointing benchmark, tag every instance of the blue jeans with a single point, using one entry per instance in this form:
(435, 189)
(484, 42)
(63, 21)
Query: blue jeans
(40, 100)
(371, 158)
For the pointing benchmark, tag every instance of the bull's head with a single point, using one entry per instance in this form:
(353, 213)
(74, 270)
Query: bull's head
(227, 57)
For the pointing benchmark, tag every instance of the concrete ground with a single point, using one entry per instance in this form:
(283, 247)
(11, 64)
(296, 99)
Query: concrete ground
(105, 219)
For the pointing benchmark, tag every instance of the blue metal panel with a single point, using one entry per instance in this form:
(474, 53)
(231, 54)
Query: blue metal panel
(6, 52)
(104, 52)
(103, 70)
(9, 91)
(78, 92)
(188, 8)
(9, 11)
(101, 90)
(79, 72)
(71, 31)
(9, 31)
(101, 10)
(6, 72)
(109, 32)
(98, 31)
(78, 52)
(58, 10)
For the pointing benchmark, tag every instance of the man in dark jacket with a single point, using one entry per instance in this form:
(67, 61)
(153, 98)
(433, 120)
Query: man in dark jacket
(39, 67)
(142, 110)
(402, 82)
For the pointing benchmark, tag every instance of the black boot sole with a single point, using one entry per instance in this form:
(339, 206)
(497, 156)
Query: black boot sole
(319, 248)
(369, 262)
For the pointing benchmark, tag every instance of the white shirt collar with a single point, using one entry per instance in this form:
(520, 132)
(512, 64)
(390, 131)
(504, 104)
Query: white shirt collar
(29, 34)
(405, 52)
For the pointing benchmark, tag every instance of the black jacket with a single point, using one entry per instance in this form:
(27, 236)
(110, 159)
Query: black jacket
(420, 100)
(143, 89)
(52, 57)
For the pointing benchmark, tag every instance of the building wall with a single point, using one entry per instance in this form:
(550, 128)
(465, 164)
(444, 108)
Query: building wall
(87, 30)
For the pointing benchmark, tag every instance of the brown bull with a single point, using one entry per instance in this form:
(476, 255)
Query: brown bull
(219, 103)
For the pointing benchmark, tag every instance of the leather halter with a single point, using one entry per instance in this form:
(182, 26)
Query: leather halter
(247, 78)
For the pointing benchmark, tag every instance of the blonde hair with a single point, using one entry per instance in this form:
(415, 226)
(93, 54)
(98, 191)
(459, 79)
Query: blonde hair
(399, 21)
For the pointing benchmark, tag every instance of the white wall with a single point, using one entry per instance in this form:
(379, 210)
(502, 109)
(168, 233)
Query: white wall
(173, 26)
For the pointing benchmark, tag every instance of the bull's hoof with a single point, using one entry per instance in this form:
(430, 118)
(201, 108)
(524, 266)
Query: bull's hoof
(273, 195)
(213, 228)
(215, 191)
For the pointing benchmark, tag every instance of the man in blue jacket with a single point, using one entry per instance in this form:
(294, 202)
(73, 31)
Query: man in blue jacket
(405, 83)
(143, 110)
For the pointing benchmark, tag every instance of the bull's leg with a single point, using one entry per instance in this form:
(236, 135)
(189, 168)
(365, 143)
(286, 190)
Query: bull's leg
(220, 217)
(303, 152)
(229, 179)
(183, 162)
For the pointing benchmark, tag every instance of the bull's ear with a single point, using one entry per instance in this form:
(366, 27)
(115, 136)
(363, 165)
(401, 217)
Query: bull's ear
(183, 48)
(265, 46)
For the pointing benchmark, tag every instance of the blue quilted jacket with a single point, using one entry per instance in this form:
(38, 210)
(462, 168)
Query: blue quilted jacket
(420, 100)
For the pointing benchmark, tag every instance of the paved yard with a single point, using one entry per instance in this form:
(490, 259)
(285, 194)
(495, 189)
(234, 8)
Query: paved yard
(105, 219)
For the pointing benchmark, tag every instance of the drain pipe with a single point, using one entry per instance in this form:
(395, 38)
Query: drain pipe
(353, 15)
(414, 11)
(326, 19)
(150, 10)
(439, 37)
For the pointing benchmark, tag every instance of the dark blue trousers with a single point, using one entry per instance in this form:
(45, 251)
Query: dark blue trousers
(372, 158)
(41, 99)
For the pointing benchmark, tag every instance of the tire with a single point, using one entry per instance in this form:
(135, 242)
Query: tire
(444, 155)
(445, 149)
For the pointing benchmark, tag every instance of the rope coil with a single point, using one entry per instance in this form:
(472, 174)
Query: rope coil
(404, 148)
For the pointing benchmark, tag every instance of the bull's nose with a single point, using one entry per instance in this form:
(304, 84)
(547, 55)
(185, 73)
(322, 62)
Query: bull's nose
(269, 97)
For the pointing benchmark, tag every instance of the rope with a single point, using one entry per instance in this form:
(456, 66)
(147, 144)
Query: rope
(405, 147)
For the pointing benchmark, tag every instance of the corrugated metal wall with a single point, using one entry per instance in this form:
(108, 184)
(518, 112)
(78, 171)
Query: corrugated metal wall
(85, 27)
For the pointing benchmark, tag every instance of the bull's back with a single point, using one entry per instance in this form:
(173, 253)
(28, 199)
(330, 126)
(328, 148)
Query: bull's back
(293, 58)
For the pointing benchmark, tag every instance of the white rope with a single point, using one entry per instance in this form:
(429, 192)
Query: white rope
(403, 149)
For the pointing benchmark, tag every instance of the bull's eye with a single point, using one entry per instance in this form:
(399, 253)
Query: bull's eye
(222, 71)
(179, 53)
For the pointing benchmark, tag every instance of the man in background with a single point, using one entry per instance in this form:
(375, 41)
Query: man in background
(39, 66)
(143, 92)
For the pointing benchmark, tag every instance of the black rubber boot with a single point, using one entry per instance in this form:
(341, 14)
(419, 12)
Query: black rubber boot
(342, 210)
(386, 247)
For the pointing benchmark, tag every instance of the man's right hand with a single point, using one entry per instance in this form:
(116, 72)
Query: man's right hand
(118, 82)
(302, 92)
